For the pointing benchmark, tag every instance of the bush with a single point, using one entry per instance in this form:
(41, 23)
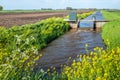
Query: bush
(84, 15)
(1, 8)
(81, 16)
(39, 34)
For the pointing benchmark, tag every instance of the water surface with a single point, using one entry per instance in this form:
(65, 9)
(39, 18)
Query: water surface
(89, 24)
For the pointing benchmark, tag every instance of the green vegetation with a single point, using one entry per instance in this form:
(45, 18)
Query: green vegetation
(1, 8)
(110, 31)
(114, 15)
(25, 11)
(99, 65)
(43, 32)
(81, 16)
(19, 47)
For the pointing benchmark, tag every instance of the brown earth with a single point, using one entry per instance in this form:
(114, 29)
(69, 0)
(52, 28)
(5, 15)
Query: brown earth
(16, 19)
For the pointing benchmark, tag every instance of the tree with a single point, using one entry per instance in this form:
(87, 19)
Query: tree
(68, 8)
(1, 8)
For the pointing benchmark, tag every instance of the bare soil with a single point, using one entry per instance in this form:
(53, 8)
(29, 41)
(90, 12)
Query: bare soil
(17, 19)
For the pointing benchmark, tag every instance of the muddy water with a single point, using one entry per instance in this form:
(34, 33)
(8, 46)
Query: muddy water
(68, 45)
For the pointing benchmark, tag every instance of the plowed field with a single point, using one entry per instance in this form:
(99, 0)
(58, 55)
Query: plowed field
(15, 19)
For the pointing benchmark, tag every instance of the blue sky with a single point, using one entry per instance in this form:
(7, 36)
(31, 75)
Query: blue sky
(38, 4)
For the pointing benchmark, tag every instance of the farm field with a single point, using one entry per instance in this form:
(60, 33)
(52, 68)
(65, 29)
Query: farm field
(17, 18)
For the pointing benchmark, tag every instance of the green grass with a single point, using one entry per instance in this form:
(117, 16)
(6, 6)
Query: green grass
(25, 11)
(111, 30)
(111, 15)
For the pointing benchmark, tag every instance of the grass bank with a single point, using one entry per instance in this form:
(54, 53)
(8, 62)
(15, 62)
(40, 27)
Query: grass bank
(111, 30)
(28, 11)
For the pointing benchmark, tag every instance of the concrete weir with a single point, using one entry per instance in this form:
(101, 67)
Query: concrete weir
(94, 21)
(99, 24)
(96, 24)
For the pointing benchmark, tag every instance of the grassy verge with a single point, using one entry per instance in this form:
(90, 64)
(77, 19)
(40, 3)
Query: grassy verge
(110, 31)
(26, 11)
(100, 64)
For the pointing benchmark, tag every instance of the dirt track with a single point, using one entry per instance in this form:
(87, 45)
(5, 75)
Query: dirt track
(9, 20)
